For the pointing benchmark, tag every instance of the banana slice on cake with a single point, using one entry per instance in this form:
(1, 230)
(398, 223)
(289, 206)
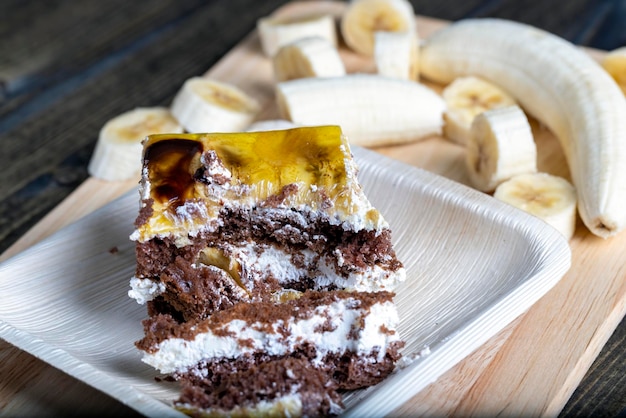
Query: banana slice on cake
(271, 125)
(371, 109)
(501, 146)
(204, 105)
(615, 64)
(308, 57)
(117, 155)
(276, 32)
(363, 18)
(465, 98)
(396, 54)
(548, 197)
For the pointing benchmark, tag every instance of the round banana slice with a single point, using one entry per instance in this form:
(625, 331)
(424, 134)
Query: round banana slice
(615, 64)
(204, 105)
(363, 18)
(117, 155)
(276, 32)
(465, 98)
(501, 146)
(307, 57)
(271, 125)
(396, 54)
(548, 197)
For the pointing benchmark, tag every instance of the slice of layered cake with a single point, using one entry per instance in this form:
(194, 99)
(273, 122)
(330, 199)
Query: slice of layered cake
(260, 251)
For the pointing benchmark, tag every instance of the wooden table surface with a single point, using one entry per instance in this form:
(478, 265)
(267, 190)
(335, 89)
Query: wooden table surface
(66, 67)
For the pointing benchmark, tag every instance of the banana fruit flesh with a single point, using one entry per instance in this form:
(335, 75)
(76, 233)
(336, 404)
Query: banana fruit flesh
(396, 54)
(548, 197)
(117, 155)
(307, 57)
(204, 105)
(271, 125)
(467, 97)
(615, 64)
(560, 86)
(501, 146)
(363, 18)
(372, 110)
(276, 32)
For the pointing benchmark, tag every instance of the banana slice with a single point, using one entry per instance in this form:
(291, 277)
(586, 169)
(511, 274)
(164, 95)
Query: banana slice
(396, 54)
(271, 125)
(117, 155)
(371, 109)
(307, 57)
(615, 64)
(276, 32)
(465, 98)
(501, 146)
(548, 197)
(363, 18)
(204, 105)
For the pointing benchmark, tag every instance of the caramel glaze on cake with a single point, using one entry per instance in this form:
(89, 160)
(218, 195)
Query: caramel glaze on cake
(260, 252)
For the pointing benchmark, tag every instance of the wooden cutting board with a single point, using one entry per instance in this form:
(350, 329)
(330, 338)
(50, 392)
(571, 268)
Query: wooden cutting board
(532, 366)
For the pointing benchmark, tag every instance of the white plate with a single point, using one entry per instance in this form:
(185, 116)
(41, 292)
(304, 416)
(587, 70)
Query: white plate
(474, 264)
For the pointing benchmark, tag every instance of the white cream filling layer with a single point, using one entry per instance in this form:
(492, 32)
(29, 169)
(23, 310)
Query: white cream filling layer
(288, 406)
(144, 290)
(344, 334)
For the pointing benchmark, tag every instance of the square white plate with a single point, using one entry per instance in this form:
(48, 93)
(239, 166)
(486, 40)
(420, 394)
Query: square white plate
(473, 265)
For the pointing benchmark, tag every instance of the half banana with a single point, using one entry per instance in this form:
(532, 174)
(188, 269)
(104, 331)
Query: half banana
(363, 18)
(465, 98)
(275, 32)
(396, 54)
(548, 197)
(559, 85)
(501, 146)
(372, 110)
(307, 57)
(204, 105)
(117, 155)
(615, 64)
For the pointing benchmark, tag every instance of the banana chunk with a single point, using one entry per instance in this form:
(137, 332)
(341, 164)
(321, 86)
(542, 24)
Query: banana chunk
(204, 105)
(117, 155)
(372, 110)
(396, 54)
(271, 125)
(548, 197)
(275, 32)
(615, 64)
(307, 57)
(501, 146)
(467, 97)
(363, 18)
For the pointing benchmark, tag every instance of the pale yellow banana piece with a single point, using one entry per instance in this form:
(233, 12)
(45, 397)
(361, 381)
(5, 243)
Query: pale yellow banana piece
(204, 105)
(396, 54)
(615, 64)
(501, 146)
(372, 110)
(307, 57)
(275, 32)
(465, 98)
(117, 155)
(562, 87)
(271, 125)
(548, 197)
(363, 18)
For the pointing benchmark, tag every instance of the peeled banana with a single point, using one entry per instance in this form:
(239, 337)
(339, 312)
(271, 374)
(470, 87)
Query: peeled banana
(204, 105)
(117, 155)
(548, 197)
(559, 85)
(615, 64)
(465, 98)
(307, 57)
(501, 146)
(275, 32)
(396, 54)
(372, 110)
(363, 18)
